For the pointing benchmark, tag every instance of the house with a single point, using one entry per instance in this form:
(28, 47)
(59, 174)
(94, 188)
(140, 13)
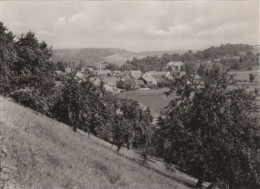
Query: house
(111, 81)
(103, 73)
(110, 84)
(79, 75)
(174, 65)
(128, 84)
(161, 74)
(96, 81)
(116, 73)
(58, 84)
(90, 69)
(149, 81)
(136, 74)
(68, 70)
(176, 73)
(140, 83)
(58, 72)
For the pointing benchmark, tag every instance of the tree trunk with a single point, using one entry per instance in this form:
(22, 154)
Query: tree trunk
(118, 147)
(1, 151)
(201, 178)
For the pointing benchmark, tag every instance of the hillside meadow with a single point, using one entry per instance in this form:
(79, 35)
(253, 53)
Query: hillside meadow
(43, 153)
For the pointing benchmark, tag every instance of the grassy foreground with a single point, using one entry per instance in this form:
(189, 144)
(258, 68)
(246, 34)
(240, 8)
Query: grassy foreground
(43, 153)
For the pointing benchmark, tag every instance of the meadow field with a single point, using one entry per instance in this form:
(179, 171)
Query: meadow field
(244, 75)
(153, 98)
(157, 100)
(43, 153)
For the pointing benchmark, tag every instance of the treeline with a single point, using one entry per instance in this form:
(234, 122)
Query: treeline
(210, 130)
(155, 63)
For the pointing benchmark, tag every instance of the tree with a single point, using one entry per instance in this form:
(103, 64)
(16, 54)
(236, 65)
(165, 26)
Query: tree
(8, 57)
(251, 77)
(112, 67)
(212, 132)
(190, 68)
(61, 66)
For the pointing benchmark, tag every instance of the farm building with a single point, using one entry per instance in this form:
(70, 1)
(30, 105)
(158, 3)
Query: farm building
(177, 74)
(149, 81)
(95, 80)
(136, 74)
(128, 84)
(58, 72)
(140, 83)
(111, 81)
(103, 73)
(79, 75)
(160, 74)
(116, 73)
(68, 70)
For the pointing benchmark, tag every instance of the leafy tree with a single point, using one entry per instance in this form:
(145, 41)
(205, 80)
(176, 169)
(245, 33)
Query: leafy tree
(8, 57)
(112, 67)
(211, 131)
(190, 68)
(251, 77)
(61, 66)
(33, 67)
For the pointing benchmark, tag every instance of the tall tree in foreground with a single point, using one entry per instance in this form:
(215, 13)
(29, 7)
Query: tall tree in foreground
(211, 131)
(8, 56)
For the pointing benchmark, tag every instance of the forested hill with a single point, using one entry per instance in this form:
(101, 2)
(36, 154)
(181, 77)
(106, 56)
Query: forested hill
(95, 56)
(236, 56)
(233, 56)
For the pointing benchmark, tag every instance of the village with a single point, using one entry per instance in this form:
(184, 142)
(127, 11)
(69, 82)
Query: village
(120, 81)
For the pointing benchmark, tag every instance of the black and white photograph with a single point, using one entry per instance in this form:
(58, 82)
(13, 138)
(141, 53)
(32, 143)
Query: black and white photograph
(129, 94)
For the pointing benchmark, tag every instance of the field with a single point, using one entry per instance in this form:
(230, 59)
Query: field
(153, 98)
(120, 59)
(157, 100)
(43, 153)
(244, 75)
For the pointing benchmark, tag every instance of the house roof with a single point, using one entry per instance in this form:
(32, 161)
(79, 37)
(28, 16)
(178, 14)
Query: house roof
(130, 81)
(95, 80)
(79, 75)
(147, 77)
(68, 70)
(102, 72)
(111, 81)
(160, 73)
(135, 74)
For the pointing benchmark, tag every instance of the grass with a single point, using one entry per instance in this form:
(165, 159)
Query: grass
(48, 154)
(153, 98)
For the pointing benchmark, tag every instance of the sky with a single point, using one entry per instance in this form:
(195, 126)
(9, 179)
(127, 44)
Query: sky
(135, 26)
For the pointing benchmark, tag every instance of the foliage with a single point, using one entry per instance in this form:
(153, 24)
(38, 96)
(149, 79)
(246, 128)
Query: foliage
(251, 77)
(112, 67)
(210, 131)
(8, 56)
(60, 66)
(155, 63)
(33, 67)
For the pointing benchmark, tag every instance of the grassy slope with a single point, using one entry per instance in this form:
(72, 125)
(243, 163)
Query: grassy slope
(47, 154)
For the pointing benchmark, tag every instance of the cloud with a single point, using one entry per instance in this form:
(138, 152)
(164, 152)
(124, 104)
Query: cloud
(135, 26)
